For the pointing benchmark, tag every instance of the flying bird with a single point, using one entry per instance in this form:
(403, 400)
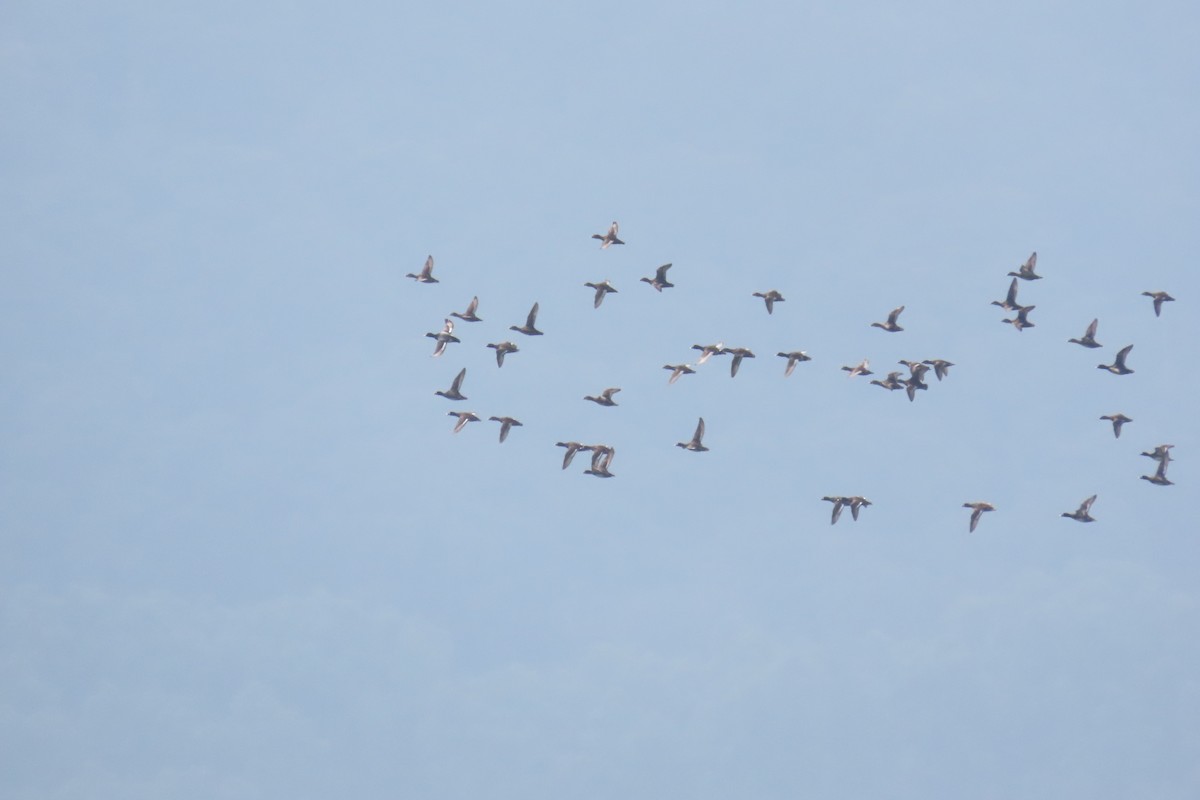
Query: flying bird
(979, 507)
(1160, 453)
(1082, 514)
(1159, 299)
(506, 424)
(1117, 421)
(770, 298)
(608, 238)
(707, 351)
(455, 390)
(890, 326)
(501, 348)
(941, 367)
(1118, 366)
(469, 314)
(677, 370)
(572, 449)
(892, 382)
(1022, 321)
(1160, 475)
(1025, 271)
(738, 354)
(793, 358)
(859, 369)
(695, 444)
(659, 281)
(1089, 336)
(602, 288)
(855, 502)
(528, 328)
(605, 398)
(426, 274)
(1010, 302)
(602, 456)
(463, 418)
(444, 337)
(838, 504)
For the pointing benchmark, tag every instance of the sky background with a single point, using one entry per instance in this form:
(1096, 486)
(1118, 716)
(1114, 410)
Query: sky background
(242, 555)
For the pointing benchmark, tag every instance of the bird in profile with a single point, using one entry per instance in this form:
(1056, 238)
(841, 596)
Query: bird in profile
(793, 358)
(862, 368)
(677, 370)
(1022, 321)
(572, 449)
(838, 504)
(978, 508)
(941, 367)
(455, 390)
(1118, 366)
(770, 298)
(1025, 271)
(608, 238)
(463, 418)
(890, 326)
(602, 456)
(602, 288)
(501, 349)
(707, 351)
(444, 337)
(1160, 453)
(506, 424)
(738, 354)
(1089, 336)
(469, 314)
(892, 382)
(659, 281)
(605, 398)
(528, 328)
(1117, 421)
(695, 445)
(1010, 302)
(1159, 478)
(855, 502)
(426, 273)
(1082, 514)
(1159, 299)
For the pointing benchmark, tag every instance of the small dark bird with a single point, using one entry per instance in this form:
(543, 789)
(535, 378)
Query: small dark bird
(1117, 421)
(659, 281)
(605, 398)
(528, 328)
(1118, 366)
(572, 449)
(793, 358)
(856, 502)
(1009, 303)
(738, 354)
(1081, 514)
(501, 348)
(1159, 299)
(463, 418)
(859, 369)
(838, 504)
(426, 274)
(1022, 321)
(892, 382)
(1160, 453)
(890, 326)
(707, 351)
(770, 298)
(1089, 336)
(445, 337)
(979, 507)
(695, 444)
(677, 370)
(602, 288)
(506, 424)
(1159, 478)
(455, 390)
(608, 238)
(469, 314)
(1025, 271)
(941, 367)
(602, 456)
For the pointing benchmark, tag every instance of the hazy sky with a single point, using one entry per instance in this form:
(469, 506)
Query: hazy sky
(244, 557)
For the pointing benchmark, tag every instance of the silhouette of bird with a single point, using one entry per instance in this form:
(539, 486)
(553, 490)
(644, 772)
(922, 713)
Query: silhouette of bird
(602, 288)
(1089, 336)
(770, 298)
(793, 358)
(528, 328)
(1160, 475)
(1022, 321)
(856, 502)
(501, 349)
(1025, 271)
(941, 367)
(838, 504)
(426, 274)
(1117, 421)
(738, 354)
(463, 418)
(890, 326)
(608, 238)
(695, 444)
(1010, 302)
(659, 281)
(1159, 299)
(506, 424)
(677, 370)
(892, 382)
(707, 351)
(1082, 514)
(1160, 453)
(1118, 366)
(455, 390)
(605, 398)
(444, 337)
(572, 449)
(602, 456)
(469, 314)
(859, 369)
(979, 507)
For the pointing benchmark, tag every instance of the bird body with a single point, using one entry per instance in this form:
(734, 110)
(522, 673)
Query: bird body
(1118, 366)
(890, 326)
(463, 418)
(501, 349)
(1117, 421)
(1159, 299)
(528, 328)
(770, 297)
(608, 238)
(605, 398)
(1083, 513)
(602, 288)
(677, 370)
(1022, 320)
(738, 354)
(1089, 336)
(659, 281)
(455, 390)
(426, 273)
(793, 358)
(506, 424)
(1025, 271)
(978, 508)
(696, 445)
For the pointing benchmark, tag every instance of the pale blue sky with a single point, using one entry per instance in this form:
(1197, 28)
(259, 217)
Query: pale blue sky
(242, 556)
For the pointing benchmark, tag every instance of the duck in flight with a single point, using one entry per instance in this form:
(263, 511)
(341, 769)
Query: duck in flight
(469, 314)
(677, 370)
(770, 298)
(890, 326)
(1117, 421)
(978, 508)
(738, 354)
(1022, 321)
(455, 390)
(528, 328)
(463, 418)
(793, 358)
(426, 274)
(1010, 302)
(1159, 478)
(1025, 271)
(608, 238)
(941, 367)
(659, 281)
(501, 349)
(1089, 336)
(605, 398)
(506, 424)
(1159, 299)
(1082, 514)
(602, 288)
(1118, 366)
(444, 337)
(695, 445)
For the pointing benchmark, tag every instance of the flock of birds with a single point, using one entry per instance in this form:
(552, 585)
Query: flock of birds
(602, 454)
